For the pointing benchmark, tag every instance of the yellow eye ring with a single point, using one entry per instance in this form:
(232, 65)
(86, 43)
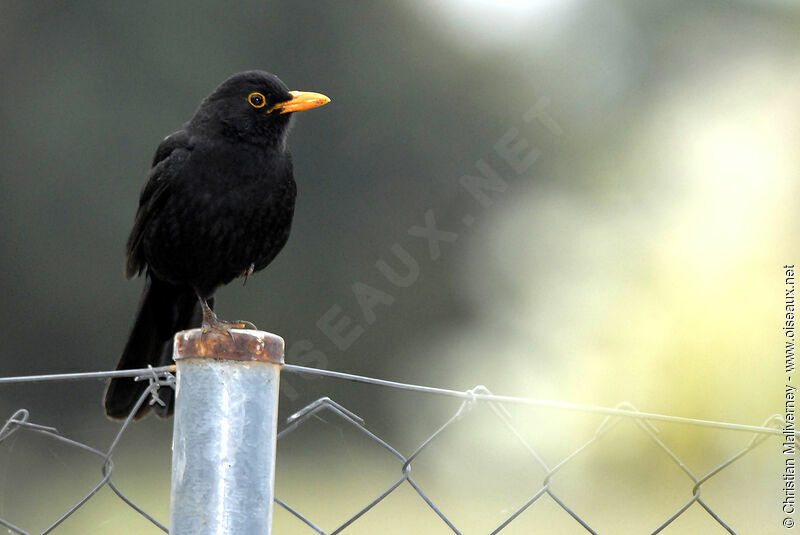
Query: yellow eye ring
(256, 100)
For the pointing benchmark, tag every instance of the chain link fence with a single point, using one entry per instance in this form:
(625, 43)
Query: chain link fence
(624, 414)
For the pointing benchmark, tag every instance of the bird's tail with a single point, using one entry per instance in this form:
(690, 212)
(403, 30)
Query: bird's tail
(164, 309)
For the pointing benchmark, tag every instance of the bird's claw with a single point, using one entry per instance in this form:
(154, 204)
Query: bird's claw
(239, 324)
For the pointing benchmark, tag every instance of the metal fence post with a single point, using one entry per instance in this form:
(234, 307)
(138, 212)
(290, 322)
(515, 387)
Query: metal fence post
(223, 449)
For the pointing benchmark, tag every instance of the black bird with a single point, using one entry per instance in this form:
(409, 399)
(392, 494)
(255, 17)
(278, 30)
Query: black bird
(217, 205)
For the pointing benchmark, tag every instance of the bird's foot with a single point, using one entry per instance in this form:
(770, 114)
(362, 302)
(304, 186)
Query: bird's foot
(249, 271)
(211, 322)
(225, 326)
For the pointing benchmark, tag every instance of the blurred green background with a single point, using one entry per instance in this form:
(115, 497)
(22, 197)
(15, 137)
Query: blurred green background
(637, 258)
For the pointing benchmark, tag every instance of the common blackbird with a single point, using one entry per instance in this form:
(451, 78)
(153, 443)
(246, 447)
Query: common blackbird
(217, 205)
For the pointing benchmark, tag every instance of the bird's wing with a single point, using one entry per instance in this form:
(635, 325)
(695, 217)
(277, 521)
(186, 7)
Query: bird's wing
(176, 140)
(170, 156)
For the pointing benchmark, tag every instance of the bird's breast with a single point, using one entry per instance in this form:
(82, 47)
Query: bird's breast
(231, 209)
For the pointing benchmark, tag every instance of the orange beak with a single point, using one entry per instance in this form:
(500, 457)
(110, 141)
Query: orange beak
(301, 100)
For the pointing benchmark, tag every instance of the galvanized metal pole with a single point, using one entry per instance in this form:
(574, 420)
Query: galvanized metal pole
(223, 448)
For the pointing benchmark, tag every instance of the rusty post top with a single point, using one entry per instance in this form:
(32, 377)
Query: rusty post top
(243, 344)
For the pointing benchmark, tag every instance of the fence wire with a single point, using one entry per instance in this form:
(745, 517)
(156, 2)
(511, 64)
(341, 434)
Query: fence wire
(162, 377)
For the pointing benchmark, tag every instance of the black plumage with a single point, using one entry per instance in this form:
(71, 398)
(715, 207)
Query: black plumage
(217, 205)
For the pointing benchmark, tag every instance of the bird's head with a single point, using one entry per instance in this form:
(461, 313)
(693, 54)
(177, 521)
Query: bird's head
(253, 106)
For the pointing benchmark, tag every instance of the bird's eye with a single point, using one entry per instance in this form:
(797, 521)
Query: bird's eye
(256, 100)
